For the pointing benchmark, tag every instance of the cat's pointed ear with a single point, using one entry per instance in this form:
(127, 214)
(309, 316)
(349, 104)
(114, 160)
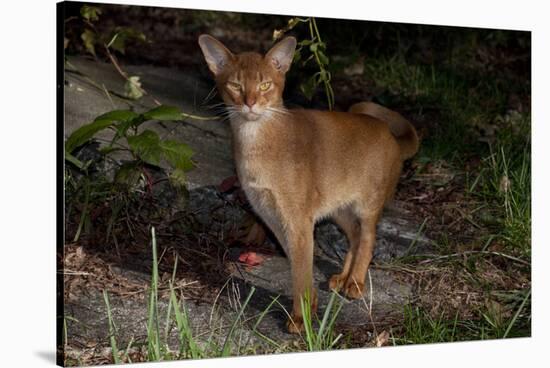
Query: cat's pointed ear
(282, 53)
(217, 56)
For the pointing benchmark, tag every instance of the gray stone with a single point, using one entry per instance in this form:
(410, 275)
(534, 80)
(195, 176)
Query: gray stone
(89, 321)
(210, 139)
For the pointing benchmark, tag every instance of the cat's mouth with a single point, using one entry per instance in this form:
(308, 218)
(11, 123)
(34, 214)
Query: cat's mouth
(251, 116)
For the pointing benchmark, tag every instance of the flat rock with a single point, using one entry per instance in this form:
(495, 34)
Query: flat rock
(87, 96)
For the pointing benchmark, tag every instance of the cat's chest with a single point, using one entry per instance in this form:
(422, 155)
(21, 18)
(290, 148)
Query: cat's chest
(253, 155)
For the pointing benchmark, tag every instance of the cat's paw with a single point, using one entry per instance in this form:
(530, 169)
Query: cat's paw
(295, 324)
(336, 281)
(353, 289)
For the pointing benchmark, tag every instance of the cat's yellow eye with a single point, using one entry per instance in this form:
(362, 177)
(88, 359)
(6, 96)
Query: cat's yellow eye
(233, 85)
(265, 86)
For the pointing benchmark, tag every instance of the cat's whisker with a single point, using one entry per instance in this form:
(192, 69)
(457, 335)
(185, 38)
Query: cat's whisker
(278, 111)
(231, 113)
(213, 92)
(219, 104)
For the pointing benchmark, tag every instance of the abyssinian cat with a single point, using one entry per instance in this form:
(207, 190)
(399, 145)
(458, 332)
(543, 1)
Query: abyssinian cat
(299, 166)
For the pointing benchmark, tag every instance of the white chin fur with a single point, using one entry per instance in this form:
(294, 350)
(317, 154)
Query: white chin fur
(250, 116)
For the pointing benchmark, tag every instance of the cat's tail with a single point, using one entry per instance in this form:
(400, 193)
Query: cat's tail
(401, 128)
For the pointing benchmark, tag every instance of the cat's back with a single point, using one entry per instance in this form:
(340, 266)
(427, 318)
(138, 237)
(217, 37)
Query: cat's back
(338, 126)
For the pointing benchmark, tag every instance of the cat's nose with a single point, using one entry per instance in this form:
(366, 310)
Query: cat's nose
(250, 100)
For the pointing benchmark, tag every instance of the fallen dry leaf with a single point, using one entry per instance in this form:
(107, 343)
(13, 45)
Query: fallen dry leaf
(382, 339)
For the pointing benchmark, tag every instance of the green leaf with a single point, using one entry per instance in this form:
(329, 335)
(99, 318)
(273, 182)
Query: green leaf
(163, 113)
(73, 160)
(177, 178)
(85, 133)
(323, 57)
(128, 173)
(89, 38)
(121, 35)
(132, 88)
(313, 47)
(147, 147)
(305, 42)
(308, 87)
(109, 149)
(118, 115)
(324, 76)
(90, 13)
(125, 119)
(177, 154)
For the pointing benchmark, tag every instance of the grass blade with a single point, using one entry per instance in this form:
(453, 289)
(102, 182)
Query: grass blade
(226, 346)
(153, 338)
(516, 315)
(187, 343)
(112, 339)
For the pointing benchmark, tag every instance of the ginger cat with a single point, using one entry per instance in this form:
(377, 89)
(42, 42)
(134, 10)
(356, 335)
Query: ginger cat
(299, 166)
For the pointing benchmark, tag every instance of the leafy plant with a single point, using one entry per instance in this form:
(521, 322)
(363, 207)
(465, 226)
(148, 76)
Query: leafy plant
(312, 49)
(116, 39)
(113, 40)
(144, 147)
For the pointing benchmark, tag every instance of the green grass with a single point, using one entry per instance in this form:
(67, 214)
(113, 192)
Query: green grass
(464, 116)
(505, 179)
(472, 122)
(318, 335)
(461, 102)
(323, 338)
(492, 322)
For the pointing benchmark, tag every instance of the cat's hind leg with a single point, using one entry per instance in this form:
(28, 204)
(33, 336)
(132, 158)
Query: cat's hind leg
(348, 222)
(354, 285)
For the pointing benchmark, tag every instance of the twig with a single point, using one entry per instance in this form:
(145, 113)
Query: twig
(108, 95)
(465, 217)
(75, 70)
(125, 76)
(197, 117)
(413, 243)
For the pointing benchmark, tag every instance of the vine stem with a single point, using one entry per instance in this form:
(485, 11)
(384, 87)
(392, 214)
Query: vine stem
(325, 76)
(157, 102)
(125, 76)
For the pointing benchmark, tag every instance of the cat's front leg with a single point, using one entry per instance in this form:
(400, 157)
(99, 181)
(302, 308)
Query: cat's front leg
(295, 235)
(299, 239)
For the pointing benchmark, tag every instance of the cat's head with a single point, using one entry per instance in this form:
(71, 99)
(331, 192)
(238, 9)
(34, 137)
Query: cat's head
(250, 84)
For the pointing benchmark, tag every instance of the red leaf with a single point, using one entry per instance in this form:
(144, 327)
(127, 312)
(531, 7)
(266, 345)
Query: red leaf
(251, 258)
